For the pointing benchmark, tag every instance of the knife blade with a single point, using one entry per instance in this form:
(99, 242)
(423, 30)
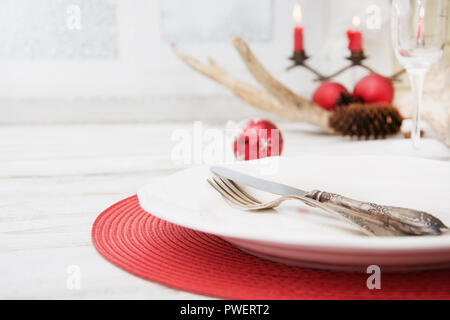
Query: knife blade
(257, 183)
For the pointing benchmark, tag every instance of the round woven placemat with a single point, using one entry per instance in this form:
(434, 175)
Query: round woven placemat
(178, 257)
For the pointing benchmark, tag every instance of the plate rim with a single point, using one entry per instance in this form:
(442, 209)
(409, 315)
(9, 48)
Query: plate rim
(366, 243)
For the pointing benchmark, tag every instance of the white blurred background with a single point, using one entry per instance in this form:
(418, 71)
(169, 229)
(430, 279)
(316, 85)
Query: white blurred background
(89, 61)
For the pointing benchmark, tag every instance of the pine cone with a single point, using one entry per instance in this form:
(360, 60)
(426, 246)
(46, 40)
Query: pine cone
(366, 120)
(346, 99)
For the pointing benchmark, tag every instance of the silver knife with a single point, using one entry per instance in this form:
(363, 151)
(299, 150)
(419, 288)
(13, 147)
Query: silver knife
(408, 221)
(258, 183)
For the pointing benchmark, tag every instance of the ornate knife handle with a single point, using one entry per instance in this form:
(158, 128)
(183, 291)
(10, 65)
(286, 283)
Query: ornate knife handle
(395, 219)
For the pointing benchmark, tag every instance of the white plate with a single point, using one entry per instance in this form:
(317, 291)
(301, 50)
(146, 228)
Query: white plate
(304, 236)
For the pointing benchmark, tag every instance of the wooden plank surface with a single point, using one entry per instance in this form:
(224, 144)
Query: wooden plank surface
(55, 180)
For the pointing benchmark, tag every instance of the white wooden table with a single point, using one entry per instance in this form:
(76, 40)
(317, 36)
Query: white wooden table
(56, 179)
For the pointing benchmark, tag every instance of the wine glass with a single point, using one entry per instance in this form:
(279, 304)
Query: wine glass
(418, 33)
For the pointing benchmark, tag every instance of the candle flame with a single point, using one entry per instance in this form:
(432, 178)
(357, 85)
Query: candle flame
(421, 12)
(356, 21)
(297, 14)
(397, 9)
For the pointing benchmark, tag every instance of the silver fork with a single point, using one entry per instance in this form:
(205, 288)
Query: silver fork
(370, 225)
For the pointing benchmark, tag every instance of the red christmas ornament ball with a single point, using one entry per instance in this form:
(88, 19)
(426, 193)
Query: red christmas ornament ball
(374, 88)
(258, 138)
(327, 94)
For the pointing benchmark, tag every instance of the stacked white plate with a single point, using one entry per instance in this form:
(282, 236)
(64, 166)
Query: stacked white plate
(300, 235)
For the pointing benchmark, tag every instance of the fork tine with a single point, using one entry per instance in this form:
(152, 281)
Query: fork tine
(230, 192)
(240, 191)
(236, 191)
(225, 195)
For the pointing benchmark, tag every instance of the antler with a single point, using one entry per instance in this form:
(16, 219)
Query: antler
(307, 110)
(277, 99)
(253, 96)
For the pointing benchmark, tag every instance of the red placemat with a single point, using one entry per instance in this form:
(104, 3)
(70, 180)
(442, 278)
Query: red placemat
(193, 261)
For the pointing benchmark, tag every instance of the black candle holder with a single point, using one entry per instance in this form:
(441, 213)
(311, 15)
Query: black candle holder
(356, 58)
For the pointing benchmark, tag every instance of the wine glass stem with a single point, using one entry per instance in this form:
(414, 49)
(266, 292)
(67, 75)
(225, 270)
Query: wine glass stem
(416, 78)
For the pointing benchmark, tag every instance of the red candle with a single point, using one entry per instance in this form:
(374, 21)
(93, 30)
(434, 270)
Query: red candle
(298, 30)
(298, 39)
(355, 36)
(420, 27)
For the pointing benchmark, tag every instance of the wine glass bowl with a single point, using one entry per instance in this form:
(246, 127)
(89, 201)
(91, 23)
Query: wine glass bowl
(418, 30)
